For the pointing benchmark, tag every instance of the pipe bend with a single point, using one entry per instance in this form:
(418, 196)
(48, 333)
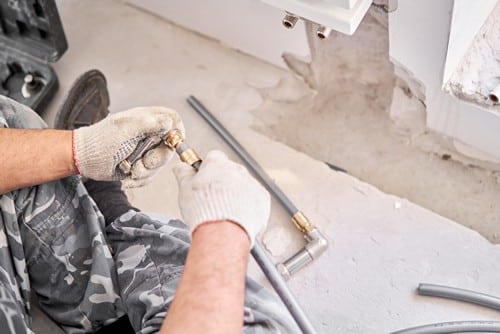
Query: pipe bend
(317, 243)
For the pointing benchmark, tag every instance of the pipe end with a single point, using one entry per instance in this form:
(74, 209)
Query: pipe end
(289, 21)
(493, 98)
(323, 32)
(283, 270)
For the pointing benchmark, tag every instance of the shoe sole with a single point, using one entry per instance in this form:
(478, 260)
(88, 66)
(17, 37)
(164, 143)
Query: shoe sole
(87, 102)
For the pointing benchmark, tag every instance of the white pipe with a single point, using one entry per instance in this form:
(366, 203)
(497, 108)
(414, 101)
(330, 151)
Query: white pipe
(323, 32)
(494, 95)
(290, 20)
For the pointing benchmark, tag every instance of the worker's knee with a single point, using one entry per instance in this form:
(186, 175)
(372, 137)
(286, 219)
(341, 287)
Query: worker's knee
(149, 254)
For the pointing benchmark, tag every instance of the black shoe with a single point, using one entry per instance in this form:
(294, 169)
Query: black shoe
(86, 103)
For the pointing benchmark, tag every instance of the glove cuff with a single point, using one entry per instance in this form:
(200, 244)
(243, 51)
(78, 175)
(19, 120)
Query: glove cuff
(212, 205)
(75, 160)
(89, 162)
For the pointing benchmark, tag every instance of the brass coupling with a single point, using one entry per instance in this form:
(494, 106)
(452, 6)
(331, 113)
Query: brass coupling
(189, 156)
(175, 141)
(301, 222)
(173, 138)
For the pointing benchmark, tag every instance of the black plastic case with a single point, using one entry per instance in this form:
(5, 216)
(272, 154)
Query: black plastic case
(31, 36)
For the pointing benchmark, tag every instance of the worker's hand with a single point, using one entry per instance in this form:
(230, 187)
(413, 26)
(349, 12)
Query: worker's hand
(222, 190)
(98, 149)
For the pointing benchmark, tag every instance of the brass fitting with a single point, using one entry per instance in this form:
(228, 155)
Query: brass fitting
(301, 222)
(189, 156)
(174, 138)
(175, 141)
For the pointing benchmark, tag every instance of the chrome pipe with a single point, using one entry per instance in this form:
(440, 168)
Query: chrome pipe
(290, 20)
(316, 245)
(323, 32)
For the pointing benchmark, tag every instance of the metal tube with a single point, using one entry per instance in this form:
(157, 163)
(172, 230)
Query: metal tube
(281, 288)
(290, 20)
(454, 327)
(494, 95)
(243, 154)
(323, 32)
(317, 243)
(175, 141)
(459, 294)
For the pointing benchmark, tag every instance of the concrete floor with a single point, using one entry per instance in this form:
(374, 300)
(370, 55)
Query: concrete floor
(381, 246)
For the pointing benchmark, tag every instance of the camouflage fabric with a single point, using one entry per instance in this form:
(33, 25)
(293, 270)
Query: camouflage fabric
(53, 242)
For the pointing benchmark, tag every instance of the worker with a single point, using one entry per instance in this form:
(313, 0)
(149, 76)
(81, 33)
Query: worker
(91, 258)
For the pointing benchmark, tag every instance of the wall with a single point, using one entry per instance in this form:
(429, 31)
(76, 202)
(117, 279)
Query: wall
(246, 25)
(419, 34)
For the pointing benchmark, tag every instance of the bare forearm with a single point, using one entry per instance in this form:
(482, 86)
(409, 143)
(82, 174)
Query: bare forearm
(210, 296)
(31, 157)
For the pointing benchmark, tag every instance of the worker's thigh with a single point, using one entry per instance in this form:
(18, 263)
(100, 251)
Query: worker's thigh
(13, 319)
(150, 255)
(69, 262)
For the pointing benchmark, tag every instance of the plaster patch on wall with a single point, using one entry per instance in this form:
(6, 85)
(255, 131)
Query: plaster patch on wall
(479, 70)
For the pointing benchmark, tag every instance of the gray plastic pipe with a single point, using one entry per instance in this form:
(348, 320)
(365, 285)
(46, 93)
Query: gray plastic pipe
(468, 296)
(316, 241)
(242, 153)
(454, 327)
(281, 288)
(258, 253)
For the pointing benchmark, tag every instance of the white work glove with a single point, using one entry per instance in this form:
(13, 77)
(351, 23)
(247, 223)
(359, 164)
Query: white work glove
(98, 149)
(222, 190)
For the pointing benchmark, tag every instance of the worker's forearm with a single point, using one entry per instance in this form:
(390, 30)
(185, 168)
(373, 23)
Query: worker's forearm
(210, 296)
(31, 157)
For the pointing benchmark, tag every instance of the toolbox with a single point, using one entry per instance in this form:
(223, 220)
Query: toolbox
(31, 36)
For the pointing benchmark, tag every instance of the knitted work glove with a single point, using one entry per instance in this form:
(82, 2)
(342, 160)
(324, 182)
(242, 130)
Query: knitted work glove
(222, 190)
(99, 148)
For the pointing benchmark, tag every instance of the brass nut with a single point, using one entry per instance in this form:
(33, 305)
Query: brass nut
(174, 138)
(189, 156)
(301, 222)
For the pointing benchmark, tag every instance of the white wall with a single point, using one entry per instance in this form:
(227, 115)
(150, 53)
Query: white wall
(419, 35)
(247, 25)
(419, 32)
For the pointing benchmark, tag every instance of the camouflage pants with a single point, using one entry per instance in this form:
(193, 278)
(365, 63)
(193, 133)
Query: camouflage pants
(54, 243)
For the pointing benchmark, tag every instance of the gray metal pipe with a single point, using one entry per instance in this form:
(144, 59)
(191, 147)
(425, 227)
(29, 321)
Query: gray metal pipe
(316, 242)
(243, 154)
(468, 296)
(478, 326)
(281, 288)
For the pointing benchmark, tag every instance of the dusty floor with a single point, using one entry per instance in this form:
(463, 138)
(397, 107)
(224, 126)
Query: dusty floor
(381, 246)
